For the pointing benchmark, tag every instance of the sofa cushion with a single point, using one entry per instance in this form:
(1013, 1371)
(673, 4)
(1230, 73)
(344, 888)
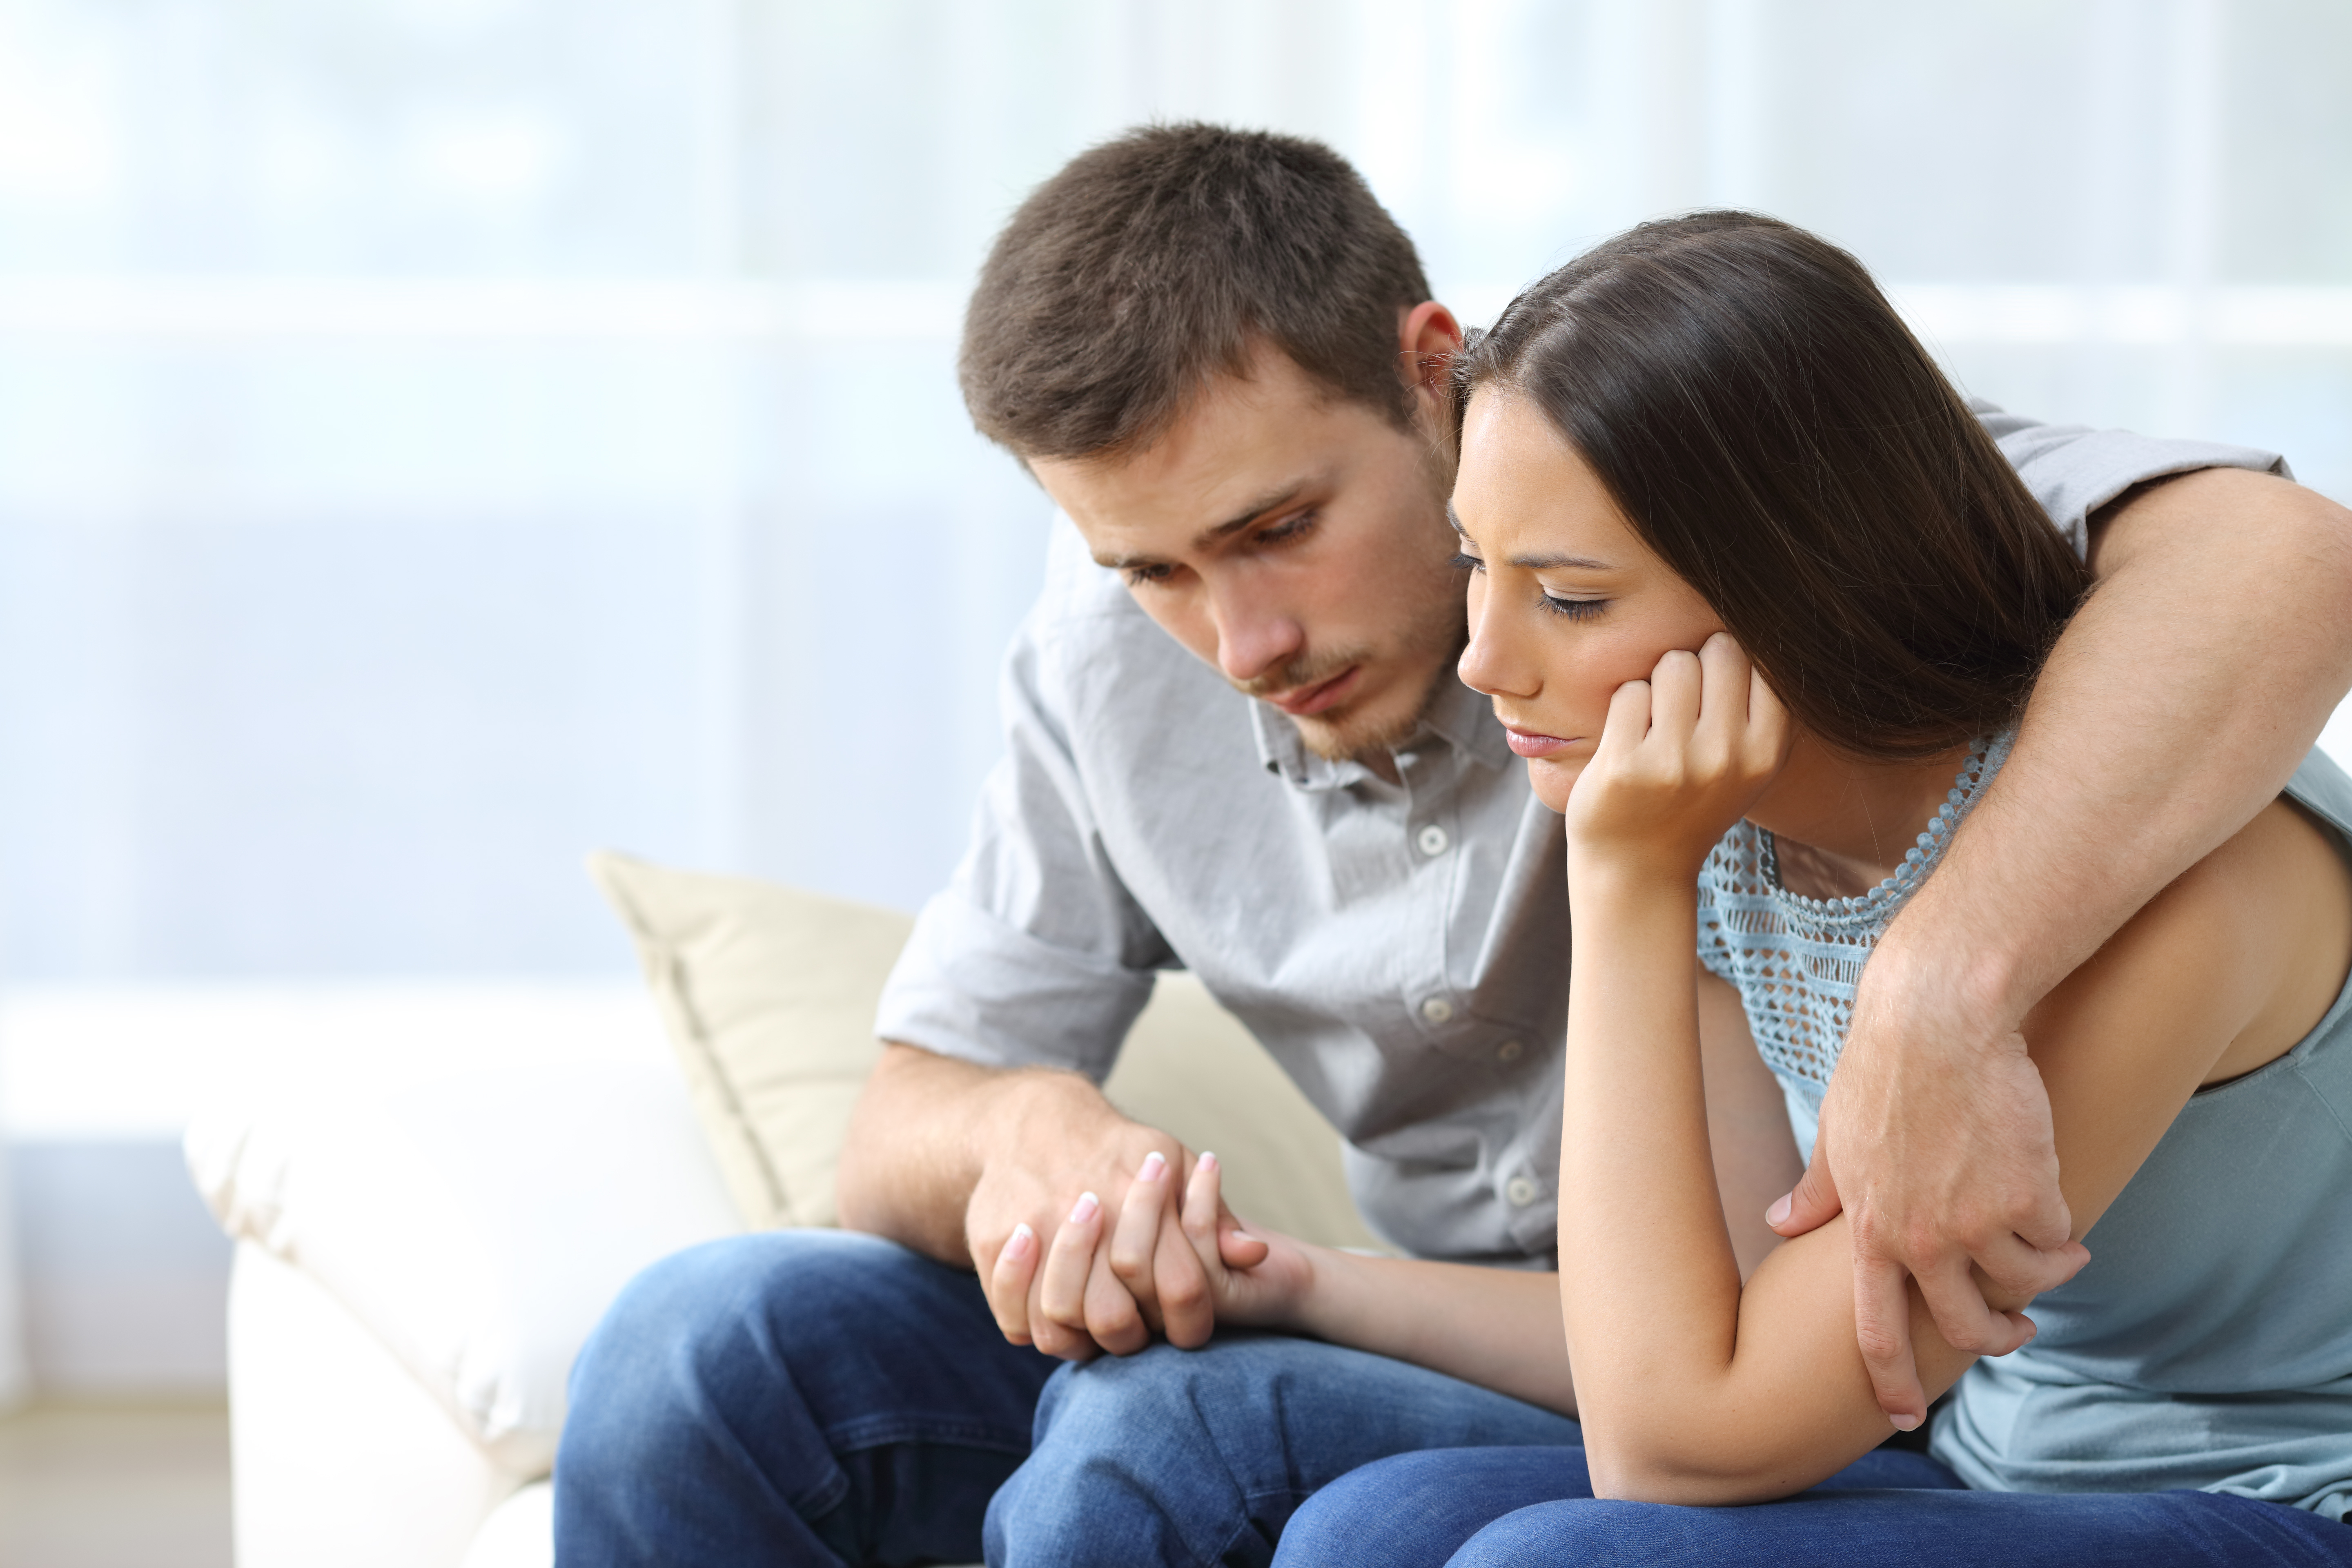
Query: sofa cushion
(476, 1227)
(769, 996)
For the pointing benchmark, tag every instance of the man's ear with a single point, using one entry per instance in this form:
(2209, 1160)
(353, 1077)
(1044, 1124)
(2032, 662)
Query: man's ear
(1428, 337)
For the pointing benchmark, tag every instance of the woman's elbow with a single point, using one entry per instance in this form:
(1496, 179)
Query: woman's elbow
(1657, 1467)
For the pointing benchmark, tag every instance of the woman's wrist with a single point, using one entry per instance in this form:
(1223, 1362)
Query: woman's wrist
(1621, 884)
(1325, 1302)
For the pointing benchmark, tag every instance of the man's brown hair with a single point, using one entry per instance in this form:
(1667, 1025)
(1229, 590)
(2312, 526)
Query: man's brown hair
(1155, 261)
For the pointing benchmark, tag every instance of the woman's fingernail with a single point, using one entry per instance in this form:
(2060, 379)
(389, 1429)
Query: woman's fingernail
(1906, 1422)
(1208, 1160)
(1016, 1246)
(1778, 1213)
(1154, 1167)
(1240, 1235)
(1087, 1203)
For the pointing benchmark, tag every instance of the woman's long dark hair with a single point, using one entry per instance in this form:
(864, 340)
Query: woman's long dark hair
(1777, 436)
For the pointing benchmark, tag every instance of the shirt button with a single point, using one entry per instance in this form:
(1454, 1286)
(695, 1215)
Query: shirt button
(1508, 1051)
(1433, 841)
(1520, 1191)
(1437, 1009)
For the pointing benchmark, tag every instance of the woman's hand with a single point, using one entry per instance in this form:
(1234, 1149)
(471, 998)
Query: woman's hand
(1682, 757)
(1252, 1281)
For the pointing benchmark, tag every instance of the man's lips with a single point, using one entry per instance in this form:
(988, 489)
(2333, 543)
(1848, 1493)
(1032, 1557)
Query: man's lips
(1527, 743)
(1315, 699)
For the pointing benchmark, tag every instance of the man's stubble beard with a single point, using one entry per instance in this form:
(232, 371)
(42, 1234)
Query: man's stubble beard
(1440, 636)
(1354, 737)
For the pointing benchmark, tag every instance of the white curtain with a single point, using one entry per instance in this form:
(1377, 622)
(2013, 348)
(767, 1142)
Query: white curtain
(440, 436)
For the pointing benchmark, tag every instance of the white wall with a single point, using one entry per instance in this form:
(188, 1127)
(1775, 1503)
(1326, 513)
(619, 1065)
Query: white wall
(441, 436)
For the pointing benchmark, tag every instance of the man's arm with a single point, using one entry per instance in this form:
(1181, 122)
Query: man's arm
(948, 1157)
(2181, 697)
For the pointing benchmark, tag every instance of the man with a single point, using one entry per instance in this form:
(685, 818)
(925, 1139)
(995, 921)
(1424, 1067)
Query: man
(1235, 743)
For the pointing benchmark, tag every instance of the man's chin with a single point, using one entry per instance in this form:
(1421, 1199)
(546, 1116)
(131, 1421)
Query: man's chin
(1360, 731)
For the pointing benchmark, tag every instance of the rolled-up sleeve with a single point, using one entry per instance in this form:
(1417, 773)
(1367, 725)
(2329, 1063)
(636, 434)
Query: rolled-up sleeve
(2074, 471)
(1036, 954)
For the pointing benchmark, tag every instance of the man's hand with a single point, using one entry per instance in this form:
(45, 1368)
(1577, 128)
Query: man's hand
(1060, 1154)
(1936, 1140)
(2182, 694)
(953, 1159)
(1019, 1288)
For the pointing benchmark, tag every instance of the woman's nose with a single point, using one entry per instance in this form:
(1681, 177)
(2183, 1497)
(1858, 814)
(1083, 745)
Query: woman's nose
(1491, 665)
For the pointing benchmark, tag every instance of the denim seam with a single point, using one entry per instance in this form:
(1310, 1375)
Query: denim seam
(824, 1499)
(880, 1431)
(1249, 1513)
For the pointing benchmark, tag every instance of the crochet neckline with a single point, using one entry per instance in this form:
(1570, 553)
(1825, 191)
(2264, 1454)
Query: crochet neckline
(1983, 759)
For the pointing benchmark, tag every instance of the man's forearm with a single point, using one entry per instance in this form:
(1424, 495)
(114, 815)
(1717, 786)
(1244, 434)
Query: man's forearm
(2181, 697)
(921, 1138)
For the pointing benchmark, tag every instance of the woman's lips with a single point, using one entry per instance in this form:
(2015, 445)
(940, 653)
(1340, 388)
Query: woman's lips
(1323, 694)
(1527, 743)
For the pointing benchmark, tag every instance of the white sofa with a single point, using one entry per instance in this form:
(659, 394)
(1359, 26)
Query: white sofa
(414, 1272)
(417, 1265)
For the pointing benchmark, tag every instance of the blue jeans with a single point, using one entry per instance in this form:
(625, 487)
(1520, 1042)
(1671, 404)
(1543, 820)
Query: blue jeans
(1193, 1458)
(1534, 1507)
(816, 1399)
(800, 1399)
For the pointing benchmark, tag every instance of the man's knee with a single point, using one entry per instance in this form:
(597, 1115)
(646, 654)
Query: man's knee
(1120, 1415)
(1155, 1458)
(709, 1332)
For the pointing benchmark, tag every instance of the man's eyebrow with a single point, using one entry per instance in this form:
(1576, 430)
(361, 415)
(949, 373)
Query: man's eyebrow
(1272, 500)
(1534, 563)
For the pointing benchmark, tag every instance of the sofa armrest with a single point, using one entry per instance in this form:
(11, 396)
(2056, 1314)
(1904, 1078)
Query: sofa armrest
(476, 1226)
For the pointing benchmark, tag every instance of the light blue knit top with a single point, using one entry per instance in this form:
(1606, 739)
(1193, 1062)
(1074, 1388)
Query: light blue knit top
(2209, 1342)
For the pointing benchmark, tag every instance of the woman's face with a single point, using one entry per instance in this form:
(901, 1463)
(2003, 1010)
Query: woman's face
(1567, 604)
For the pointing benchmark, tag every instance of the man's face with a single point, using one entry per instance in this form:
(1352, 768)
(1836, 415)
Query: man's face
(1296, 542)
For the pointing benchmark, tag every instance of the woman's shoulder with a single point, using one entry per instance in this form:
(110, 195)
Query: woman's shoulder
(2255, 940)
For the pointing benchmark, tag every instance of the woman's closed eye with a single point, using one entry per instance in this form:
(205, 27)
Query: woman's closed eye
(1573, 609)
(1553, 604)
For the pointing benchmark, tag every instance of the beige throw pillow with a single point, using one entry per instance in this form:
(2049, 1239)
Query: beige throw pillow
(769, 996)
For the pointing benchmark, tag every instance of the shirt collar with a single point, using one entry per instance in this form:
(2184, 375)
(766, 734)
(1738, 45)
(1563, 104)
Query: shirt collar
(1466, 721)
(1456, 715)
(1282, 751)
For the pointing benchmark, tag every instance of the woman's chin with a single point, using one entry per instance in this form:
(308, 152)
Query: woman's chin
(1553, 779)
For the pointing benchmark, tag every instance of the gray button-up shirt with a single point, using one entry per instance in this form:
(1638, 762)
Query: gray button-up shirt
(1400, 949)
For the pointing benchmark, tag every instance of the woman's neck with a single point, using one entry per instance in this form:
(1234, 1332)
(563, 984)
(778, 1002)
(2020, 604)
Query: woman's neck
(1841, 825)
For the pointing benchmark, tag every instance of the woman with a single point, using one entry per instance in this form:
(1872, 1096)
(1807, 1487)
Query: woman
(1716, 429)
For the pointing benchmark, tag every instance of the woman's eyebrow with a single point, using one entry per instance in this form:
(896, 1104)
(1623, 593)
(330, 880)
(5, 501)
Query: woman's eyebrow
(1546, 563)
(1533, 563)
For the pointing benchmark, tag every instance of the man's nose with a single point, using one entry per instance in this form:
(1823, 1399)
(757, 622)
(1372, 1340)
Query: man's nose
(1255, 639)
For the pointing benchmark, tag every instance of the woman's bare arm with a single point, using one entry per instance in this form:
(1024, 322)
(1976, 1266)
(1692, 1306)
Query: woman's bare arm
(2174, 706)
(1498, 1328)
(1695, 1389)
(1502, 1330)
